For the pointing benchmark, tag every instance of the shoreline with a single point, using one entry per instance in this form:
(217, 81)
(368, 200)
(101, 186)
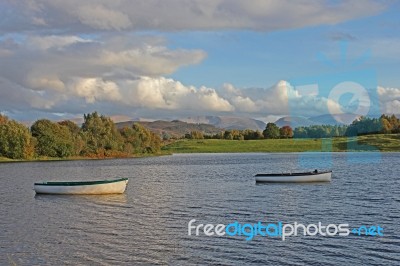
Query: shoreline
(76, 158)
(369, 143)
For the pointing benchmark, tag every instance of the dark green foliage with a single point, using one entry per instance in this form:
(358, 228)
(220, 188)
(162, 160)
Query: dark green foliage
(320, 131)
(100, 135)
(78, 142)
(271, 131)
(364, 126)
(53, 139)
(249, 134)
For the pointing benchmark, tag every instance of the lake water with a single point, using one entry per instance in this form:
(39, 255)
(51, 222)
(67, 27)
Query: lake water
(149, 223)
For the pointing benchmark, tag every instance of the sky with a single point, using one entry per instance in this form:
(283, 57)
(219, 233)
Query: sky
(168, 59)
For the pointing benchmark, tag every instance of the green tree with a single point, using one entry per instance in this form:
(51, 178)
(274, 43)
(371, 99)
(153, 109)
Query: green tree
(195, 134)
(75, 130)
(15, 140)
(271, 131)
(53, 139)
(228, 134)
(364, 125)
(141, 139)
(101, 135)
(300, 132)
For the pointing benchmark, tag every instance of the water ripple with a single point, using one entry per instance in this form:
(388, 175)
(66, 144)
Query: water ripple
(148, 224)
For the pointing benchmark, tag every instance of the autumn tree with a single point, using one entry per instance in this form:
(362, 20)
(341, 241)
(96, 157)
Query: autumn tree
(16, 141)
(195, 134)
(286, 132)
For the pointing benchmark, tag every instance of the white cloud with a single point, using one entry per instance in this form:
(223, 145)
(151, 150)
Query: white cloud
(388, 94)
(76, 74)
(95, 89)
(389, 100)
(168, 94)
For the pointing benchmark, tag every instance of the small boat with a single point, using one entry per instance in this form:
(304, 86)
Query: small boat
(315, 176)
(115, 186)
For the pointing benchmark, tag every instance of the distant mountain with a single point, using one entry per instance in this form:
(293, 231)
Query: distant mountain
(327, 119)
(294, 121)
(228, 122)
(173, 128)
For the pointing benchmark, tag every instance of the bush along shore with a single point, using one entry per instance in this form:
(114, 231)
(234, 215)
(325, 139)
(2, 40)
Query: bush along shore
(97, 138)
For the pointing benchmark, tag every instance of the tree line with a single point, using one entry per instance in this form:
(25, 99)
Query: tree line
(272, 131)
(98, 137)
(385, 124)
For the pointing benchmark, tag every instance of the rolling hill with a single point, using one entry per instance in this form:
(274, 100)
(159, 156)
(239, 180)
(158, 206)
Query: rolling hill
(228, 122)
(174, 128)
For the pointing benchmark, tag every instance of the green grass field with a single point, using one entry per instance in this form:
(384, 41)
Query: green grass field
(389, 142)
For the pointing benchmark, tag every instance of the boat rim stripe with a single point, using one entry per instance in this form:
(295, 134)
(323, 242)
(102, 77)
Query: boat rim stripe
(295, 174)
(79, 183)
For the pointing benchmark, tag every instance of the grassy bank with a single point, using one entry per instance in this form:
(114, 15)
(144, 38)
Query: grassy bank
(389, 142)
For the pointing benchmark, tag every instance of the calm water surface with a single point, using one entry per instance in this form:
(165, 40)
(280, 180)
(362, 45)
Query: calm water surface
(148, 224)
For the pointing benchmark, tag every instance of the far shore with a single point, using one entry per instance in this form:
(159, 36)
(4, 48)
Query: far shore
(77, 158)
(368, 143)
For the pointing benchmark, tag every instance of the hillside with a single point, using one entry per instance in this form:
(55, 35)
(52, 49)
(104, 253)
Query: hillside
(228, 122)
(326, 119)
(294, 122)
(174, 128)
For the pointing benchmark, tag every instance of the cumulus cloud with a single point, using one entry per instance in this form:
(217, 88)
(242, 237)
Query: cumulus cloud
(69, 73)
(280, 99)
(76, 16)
(389, 100)
(95, 89)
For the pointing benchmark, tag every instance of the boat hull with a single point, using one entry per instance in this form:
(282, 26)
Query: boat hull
(294, 178)
(82, 188)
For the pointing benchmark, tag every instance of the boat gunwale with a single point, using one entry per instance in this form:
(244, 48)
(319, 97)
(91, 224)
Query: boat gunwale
(79, 183)
(295, 174)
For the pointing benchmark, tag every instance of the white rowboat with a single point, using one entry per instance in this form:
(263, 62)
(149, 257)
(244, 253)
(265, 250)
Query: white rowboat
(116, 186)
(295, 177)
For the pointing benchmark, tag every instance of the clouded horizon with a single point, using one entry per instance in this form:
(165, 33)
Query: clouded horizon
(171, 59)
